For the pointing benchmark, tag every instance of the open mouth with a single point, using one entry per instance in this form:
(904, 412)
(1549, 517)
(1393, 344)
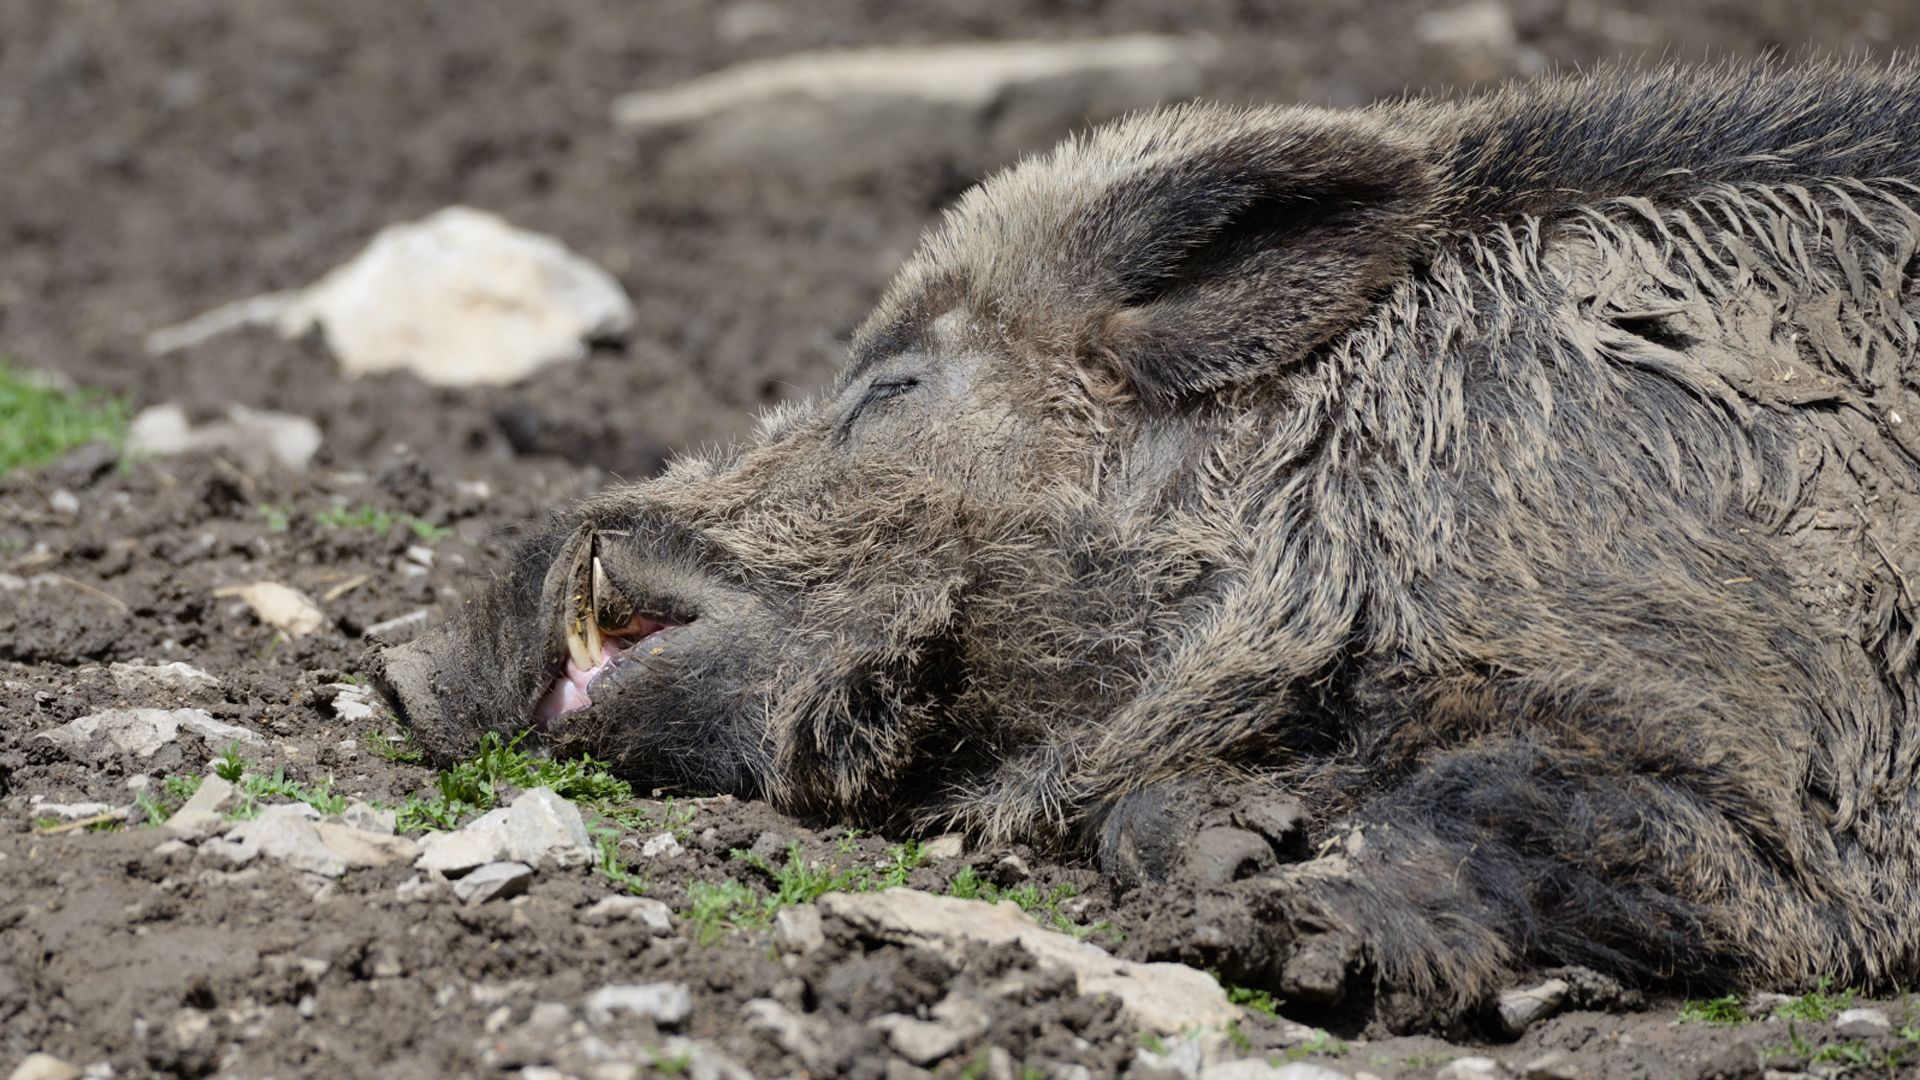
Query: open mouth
(603, 631)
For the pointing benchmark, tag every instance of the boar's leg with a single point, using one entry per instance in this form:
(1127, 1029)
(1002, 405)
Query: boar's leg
(1494, 858)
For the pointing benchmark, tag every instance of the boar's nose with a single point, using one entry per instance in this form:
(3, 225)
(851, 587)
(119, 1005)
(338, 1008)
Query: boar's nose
(404, 676)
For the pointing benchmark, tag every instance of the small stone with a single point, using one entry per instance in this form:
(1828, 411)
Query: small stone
(257, 438)
(418, 888)
(282, 607)
(787, 1030)
(364, 847)
(661, 846)
(798, 929)
(202, 816)
(1521, 1009)
(420, 555)
(647, 911)
(542, 827)
(494, 881)
(70, 811)
(138, 679)
(1258, 1069)
(922, 1042)
(666, 1004)
(173, 850)
(1552, 1065)
(44, 1067)
(352, 703)
(1480, 25)
(480, 841)
(1472, 1068)
(1013, 868)
(288, 833)
(950, 846)
(1863, 1023)
(369, 818)
(142, 732)
(64, 502)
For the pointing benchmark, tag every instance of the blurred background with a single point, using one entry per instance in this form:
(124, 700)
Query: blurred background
(163, 158)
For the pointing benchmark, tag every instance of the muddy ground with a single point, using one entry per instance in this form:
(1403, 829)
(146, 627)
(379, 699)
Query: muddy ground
(160, 158)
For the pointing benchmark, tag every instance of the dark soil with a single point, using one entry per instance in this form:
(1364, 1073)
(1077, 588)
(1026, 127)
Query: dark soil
(162, 158)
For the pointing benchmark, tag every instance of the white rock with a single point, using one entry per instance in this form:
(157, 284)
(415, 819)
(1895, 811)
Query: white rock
(70, 811)
(460, 298)
(366, 847)
(1160, 997)
(543, 827)
(955, 1020)
(797, 929)
(1472, 1068)
(494, 881)
(1259, 1069)
(288, 834)
(256, 438)
(950, 846)
(202, 815)
(820, 117)
(666, 1004)
(141, 732)
(653, 914)
(282, 607)
(790, 1031)
(141, 679)
(370, 818)
(1552, 1065)
(1863, 1024)
(1484, 25)
(352, 702)
(480, 841)
(1521, 1009)
(64, 502)
(661, 846)
(44, 1067)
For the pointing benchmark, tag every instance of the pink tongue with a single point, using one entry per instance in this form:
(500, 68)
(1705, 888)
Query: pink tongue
(569, 691)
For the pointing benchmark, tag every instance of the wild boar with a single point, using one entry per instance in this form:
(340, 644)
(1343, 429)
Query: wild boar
(1528, 486)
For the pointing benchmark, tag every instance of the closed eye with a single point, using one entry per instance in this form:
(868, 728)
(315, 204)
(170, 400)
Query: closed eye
(877, 391)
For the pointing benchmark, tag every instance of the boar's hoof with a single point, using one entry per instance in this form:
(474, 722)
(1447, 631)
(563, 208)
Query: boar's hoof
(1199, 836)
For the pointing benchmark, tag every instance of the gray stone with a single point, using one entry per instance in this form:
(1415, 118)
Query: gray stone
(70, 811)
(282, 607)
(797, 929)
(256, 438)
(950, 846)
(1479, 25)
(366, 847)
(647, 911)
(954, 1021)
(1160, 997)
(494, 881)
(666, 1004)
(792, 1032)
(1472, 1068)
(1260, 1069)
(480, 841)
(44, 1067)
(1552, 1065)
(369, 818)
(202, 814)
(352, 703)
(542, 827)
(142, 732)
(287, 833)
(811, 118)
(661, 846)
(1863, 1023)
(139, 679)
(1521, 1009)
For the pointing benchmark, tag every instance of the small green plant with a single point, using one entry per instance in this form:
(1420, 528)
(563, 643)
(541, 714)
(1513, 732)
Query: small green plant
(254, 788)
(231, 764)
(39, 423)
(672, 1064)
(715, 907)
(1153, 1043)
(608, 862)
(1321, 1044)
(1247, 997)
(277, 517)
(396, 747)
(1720, 1010)
(1238, 1038)
(474, 786)
(1044, 907)
(1818, 1004)
(367, 517)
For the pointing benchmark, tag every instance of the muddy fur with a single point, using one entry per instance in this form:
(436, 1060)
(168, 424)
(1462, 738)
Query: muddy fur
(1527, 487)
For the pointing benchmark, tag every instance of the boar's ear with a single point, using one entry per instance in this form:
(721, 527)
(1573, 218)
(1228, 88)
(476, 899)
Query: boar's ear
(1248, 254)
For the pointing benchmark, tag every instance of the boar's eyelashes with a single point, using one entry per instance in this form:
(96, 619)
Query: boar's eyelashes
(1247, 256)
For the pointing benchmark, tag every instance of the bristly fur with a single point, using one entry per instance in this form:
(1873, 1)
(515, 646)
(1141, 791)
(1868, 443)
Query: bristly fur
(1529, 484)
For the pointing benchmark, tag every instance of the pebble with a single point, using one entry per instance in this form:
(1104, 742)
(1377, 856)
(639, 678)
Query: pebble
(480, 841)
(64, 502)
(788, 1030)
(352, 702)
(1863, 1023)
(541, 827)
(955, 1021)
(647, 911)
(287, 833)
(282, 607)
(368, 818)
(138, 679)
(798, 929)
(494, 881)
(256, 438)
(39, 1066)
(1521, 1009)
(666, 1004)
(366, 847)
(1552, 1065)
(661, 846)
(70, 811)
(949, 846)
(1260, 1069)
(142, 732)
(1472, 1068)
(202, 815)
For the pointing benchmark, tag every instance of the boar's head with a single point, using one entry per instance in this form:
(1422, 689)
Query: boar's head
(922, 580)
